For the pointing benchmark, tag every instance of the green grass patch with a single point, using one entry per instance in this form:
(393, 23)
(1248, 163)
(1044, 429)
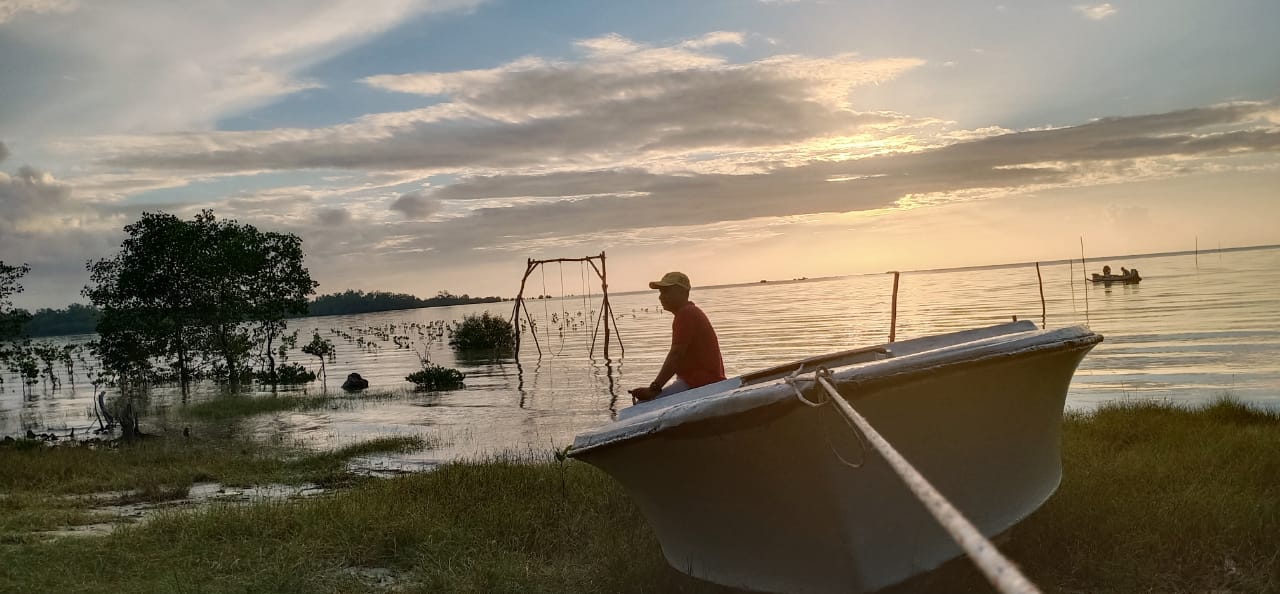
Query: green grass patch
(495, 527)
(38, 485)
(1155, 498)
(159, 463)
(25, 513)
(233, 406)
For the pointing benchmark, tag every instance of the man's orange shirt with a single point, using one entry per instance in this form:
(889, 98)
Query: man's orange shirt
(701, 364)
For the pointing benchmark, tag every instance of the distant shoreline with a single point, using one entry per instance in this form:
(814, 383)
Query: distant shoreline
(974, 267)
(1092, 259)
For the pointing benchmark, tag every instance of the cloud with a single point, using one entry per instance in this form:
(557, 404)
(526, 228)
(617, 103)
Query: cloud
(416, 206)
(142, 66)
(620, 101)
(716, 38)
(29, 197)
(333, 217)
(10, 9)
(4, 152)
(503, 207)
(606, 202)
(1096, 12)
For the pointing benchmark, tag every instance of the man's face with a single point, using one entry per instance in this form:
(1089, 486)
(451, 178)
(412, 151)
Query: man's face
(672, 297)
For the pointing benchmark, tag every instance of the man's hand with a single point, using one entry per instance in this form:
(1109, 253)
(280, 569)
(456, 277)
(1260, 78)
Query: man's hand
(644, 394)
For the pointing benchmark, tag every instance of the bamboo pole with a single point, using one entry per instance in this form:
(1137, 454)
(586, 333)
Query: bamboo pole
(599, 318)
(605, 308)
(1084, 268)
(604, 285)
(1071, 275)
(893, 312)
(515, 309)
(533, 330)
(1044, 316)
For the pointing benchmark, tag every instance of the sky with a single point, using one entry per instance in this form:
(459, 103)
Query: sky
(420, 146)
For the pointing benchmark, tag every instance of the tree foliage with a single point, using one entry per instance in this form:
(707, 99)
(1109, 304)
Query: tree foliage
(11, 320)
(322, 349)
(354, 302)
(76, 318)
(181, 293)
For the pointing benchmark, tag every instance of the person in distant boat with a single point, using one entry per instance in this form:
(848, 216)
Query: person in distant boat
(1124, 271)
(694, 359)
(1106, 271)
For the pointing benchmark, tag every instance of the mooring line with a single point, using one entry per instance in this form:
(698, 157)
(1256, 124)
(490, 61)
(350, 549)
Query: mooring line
(1000, 571)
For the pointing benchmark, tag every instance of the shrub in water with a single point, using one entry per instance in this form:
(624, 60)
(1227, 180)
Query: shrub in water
(479, 332)
(435, 377)
(292, 373)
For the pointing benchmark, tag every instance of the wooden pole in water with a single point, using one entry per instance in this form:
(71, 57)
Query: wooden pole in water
(604, 307)
(1044, 317)
(515, 310)
(1071, 274)
(1085, 270)
(893, 312)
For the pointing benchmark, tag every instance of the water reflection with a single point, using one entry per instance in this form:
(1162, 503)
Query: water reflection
(1181, 334)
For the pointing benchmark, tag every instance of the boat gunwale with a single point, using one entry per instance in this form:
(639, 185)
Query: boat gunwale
(864, 377)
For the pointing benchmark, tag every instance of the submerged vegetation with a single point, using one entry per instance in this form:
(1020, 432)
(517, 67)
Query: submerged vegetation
(1154, 498)
(482, 332)
(435, 377)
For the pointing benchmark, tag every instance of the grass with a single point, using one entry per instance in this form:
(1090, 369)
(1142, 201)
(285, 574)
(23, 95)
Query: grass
(38, 485)
(502, 526)
(232, 406)
(1155, 498)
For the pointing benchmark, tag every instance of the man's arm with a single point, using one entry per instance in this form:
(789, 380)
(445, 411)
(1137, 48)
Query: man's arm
(669, 366)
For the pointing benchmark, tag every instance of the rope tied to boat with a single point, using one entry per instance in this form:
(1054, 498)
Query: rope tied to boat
(999, 570)
(793, 381)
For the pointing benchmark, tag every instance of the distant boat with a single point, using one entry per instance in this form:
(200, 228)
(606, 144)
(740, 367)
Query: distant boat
(745, 486)
(1130, 276)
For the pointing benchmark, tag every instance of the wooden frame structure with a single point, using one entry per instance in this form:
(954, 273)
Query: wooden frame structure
(601, 272)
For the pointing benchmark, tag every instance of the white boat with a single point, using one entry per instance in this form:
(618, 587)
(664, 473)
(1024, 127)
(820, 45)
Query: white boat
(746, 486)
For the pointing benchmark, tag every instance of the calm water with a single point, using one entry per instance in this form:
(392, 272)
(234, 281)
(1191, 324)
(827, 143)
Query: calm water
(1193, 329)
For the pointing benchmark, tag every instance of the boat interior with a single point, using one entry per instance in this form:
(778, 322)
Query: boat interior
(831, 361)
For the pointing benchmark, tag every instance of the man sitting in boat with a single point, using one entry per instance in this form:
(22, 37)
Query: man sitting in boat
(694, 359)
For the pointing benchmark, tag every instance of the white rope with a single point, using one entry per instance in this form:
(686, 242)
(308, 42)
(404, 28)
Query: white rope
(1000, 571)
(793, 381)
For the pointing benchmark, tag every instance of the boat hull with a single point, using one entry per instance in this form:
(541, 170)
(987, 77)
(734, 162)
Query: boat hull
(1127, 279)
(766, 499)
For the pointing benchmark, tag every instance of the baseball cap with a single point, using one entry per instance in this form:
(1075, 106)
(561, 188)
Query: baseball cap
(677, 279)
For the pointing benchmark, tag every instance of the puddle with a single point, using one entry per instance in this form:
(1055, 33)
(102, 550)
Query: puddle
(387, 466)
(200, 494)
(376, 577)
